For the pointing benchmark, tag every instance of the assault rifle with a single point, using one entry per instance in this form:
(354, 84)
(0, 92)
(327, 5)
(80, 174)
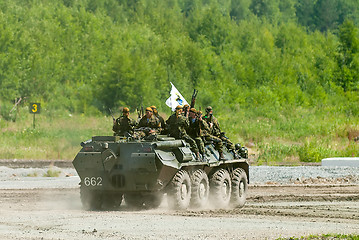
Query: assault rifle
(140, 112)
(194, 95)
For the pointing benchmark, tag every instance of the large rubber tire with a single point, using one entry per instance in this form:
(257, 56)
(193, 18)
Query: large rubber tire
(153, 200)
(220, 188)
(143, 200)
(239, 188)
(200, 189)
(91, 200)
(112, 201)
(179, 192)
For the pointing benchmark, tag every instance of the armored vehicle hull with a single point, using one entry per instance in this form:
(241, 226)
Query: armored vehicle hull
(112, 168)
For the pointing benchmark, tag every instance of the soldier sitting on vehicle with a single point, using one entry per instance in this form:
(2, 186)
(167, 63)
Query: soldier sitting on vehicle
(163, 124)
(195, 129)
(185, 110)
(218, 144)
(124, 124)
(215, 130)
(149, 124)
(177, 125)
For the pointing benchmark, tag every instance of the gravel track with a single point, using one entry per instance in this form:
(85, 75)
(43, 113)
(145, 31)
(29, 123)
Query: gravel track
(282, 202)
(258, 175)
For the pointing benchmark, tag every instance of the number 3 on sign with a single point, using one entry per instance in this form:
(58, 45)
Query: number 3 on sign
(35, 107)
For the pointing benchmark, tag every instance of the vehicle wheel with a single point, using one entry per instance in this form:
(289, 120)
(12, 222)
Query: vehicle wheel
(179, 193)
(200, 189)
(153, 200)
(112, 201)
(220, 188)
(91, 200)
(239, 188)
(134, 200)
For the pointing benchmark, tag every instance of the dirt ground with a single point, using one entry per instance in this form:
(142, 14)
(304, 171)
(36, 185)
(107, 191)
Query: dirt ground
(270, 212)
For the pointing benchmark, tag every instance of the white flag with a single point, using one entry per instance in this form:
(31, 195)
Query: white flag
(175, 99)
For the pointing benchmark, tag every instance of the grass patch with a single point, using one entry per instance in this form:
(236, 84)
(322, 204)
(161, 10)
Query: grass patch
(52, 173)
(289, 136)
(34, 174)
(53, 137)
(324, 237)
(294, 135)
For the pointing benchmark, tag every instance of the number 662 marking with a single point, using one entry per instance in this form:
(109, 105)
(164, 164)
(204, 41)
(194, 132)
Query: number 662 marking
(93, 181)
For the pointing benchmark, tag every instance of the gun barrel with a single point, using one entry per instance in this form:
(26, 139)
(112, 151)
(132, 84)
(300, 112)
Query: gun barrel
(168, 144)
(194, 95)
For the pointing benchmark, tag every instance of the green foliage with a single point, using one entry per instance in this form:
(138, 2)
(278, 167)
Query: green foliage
(33, 174)
(348, 57)
(6, 113)
(277, 153)
(312, 152)
(52, 173)
(53, 137)
(274, 62)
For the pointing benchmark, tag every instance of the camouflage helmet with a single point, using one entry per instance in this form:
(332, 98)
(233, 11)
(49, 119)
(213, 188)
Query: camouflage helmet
(125, 110)
(238, 146)
(154, 110)
(179, 107)
(193, 110)
(149, 109)
(208, 109)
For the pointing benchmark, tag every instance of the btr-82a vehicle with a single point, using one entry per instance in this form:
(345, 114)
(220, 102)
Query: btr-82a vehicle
(143, 171)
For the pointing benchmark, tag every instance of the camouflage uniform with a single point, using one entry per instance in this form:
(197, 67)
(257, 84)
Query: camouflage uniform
(186, 108)
(155, 112)
(177, 126)
(153, 122)
(162, 121)
(195, 132)
(218, 144)
(122, 125)
(216, 131)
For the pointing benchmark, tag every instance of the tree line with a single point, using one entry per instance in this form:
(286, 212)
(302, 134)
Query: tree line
(86, 56)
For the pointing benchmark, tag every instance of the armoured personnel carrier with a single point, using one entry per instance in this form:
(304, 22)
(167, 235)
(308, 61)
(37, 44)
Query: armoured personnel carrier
(113, 168)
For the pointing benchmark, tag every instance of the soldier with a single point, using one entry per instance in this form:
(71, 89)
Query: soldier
(218, 144)
(123, 124)
(177, 125)
(215, 130)
(163, 124)
(196, 126)
(185, 110)
(150, 120)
